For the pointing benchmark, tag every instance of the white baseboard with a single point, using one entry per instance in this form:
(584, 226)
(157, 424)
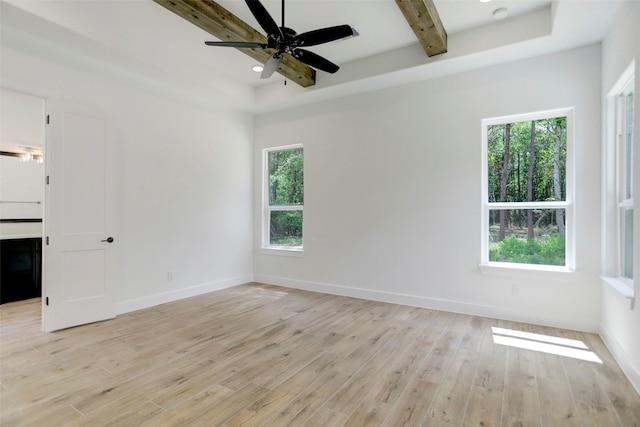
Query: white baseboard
(496, 312)
(157, 299)
(621, 357)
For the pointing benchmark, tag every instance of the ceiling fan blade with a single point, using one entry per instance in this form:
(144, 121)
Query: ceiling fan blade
(325, 35)
(272, 65)
(264, 19)
(239, 45)
(315, 60)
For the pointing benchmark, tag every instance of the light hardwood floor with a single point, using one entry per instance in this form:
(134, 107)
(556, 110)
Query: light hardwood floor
(265, 355)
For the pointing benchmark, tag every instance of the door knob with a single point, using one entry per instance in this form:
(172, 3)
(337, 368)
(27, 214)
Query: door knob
(108, 240)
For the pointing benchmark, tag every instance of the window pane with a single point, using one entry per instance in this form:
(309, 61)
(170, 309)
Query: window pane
(627, 243)
(526, 161)
(629, 148)
(286, 178)
(527, 236)
(285, 228)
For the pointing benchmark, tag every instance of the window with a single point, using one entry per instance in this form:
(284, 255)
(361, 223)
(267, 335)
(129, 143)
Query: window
(283, 197)
(618, 169)
(527, 191)
(624, 148)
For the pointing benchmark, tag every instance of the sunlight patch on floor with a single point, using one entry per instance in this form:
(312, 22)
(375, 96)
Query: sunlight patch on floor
(544, 343)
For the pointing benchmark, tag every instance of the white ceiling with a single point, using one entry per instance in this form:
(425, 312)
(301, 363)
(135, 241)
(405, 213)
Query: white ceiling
(380, 23)
(142, 36)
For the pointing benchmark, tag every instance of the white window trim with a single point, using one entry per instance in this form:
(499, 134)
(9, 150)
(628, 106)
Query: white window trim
(611, 203)
(531, 270)
(266, 248)
(505, 268)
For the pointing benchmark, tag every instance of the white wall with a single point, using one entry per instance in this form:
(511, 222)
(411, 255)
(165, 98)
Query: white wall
(20, 182)
(183, 174)
(392, 192)
(620, 322)
(22, 121)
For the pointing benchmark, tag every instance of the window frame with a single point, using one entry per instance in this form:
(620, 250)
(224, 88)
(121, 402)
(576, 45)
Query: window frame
(487, 266)
(622, 155)
(267, 208)
(614, 183)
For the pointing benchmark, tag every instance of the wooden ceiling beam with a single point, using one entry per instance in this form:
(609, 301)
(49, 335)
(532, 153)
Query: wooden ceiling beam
(224, 25)
(424, 20)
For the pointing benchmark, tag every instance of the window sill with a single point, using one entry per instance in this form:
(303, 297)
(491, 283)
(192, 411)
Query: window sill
(530, 270)
(624, 287)
(282, 251)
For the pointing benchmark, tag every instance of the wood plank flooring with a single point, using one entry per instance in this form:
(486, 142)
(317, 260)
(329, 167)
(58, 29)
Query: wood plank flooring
(258, 355)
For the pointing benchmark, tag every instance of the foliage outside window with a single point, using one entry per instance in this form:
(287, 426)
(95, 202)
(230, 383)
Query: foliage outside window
(526, 189)
(284, 197)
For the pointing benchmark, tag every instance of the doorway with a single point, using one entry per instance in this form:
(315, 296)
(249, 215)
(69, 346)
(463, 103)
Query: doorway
(75, 203)
(22, 171)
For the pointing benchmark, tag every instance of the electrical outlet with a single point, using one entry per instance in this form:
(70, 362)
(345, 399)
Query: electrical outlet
(169, 275)
(515, 289)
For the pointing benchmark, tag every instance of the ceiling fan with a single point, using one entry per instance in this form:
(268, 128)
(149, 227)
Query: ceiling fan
(285, 40)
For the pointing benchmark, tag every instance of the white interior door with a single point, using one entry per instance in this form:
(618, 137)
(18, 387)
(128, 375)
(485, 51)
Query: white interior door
(79, 224)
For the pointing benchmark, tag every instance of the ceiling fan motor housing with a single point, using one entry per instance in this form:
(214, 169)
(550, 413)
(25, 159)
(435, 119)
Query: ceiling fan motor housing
(284, 44)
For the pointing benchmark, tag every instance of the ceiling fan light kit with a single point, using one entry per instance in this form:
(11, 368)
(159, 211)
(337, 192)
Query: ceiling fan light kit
(285, 40)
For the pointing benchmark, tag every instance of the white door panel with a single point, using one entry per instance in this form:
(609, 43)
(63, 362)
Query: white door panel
(80, 216)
